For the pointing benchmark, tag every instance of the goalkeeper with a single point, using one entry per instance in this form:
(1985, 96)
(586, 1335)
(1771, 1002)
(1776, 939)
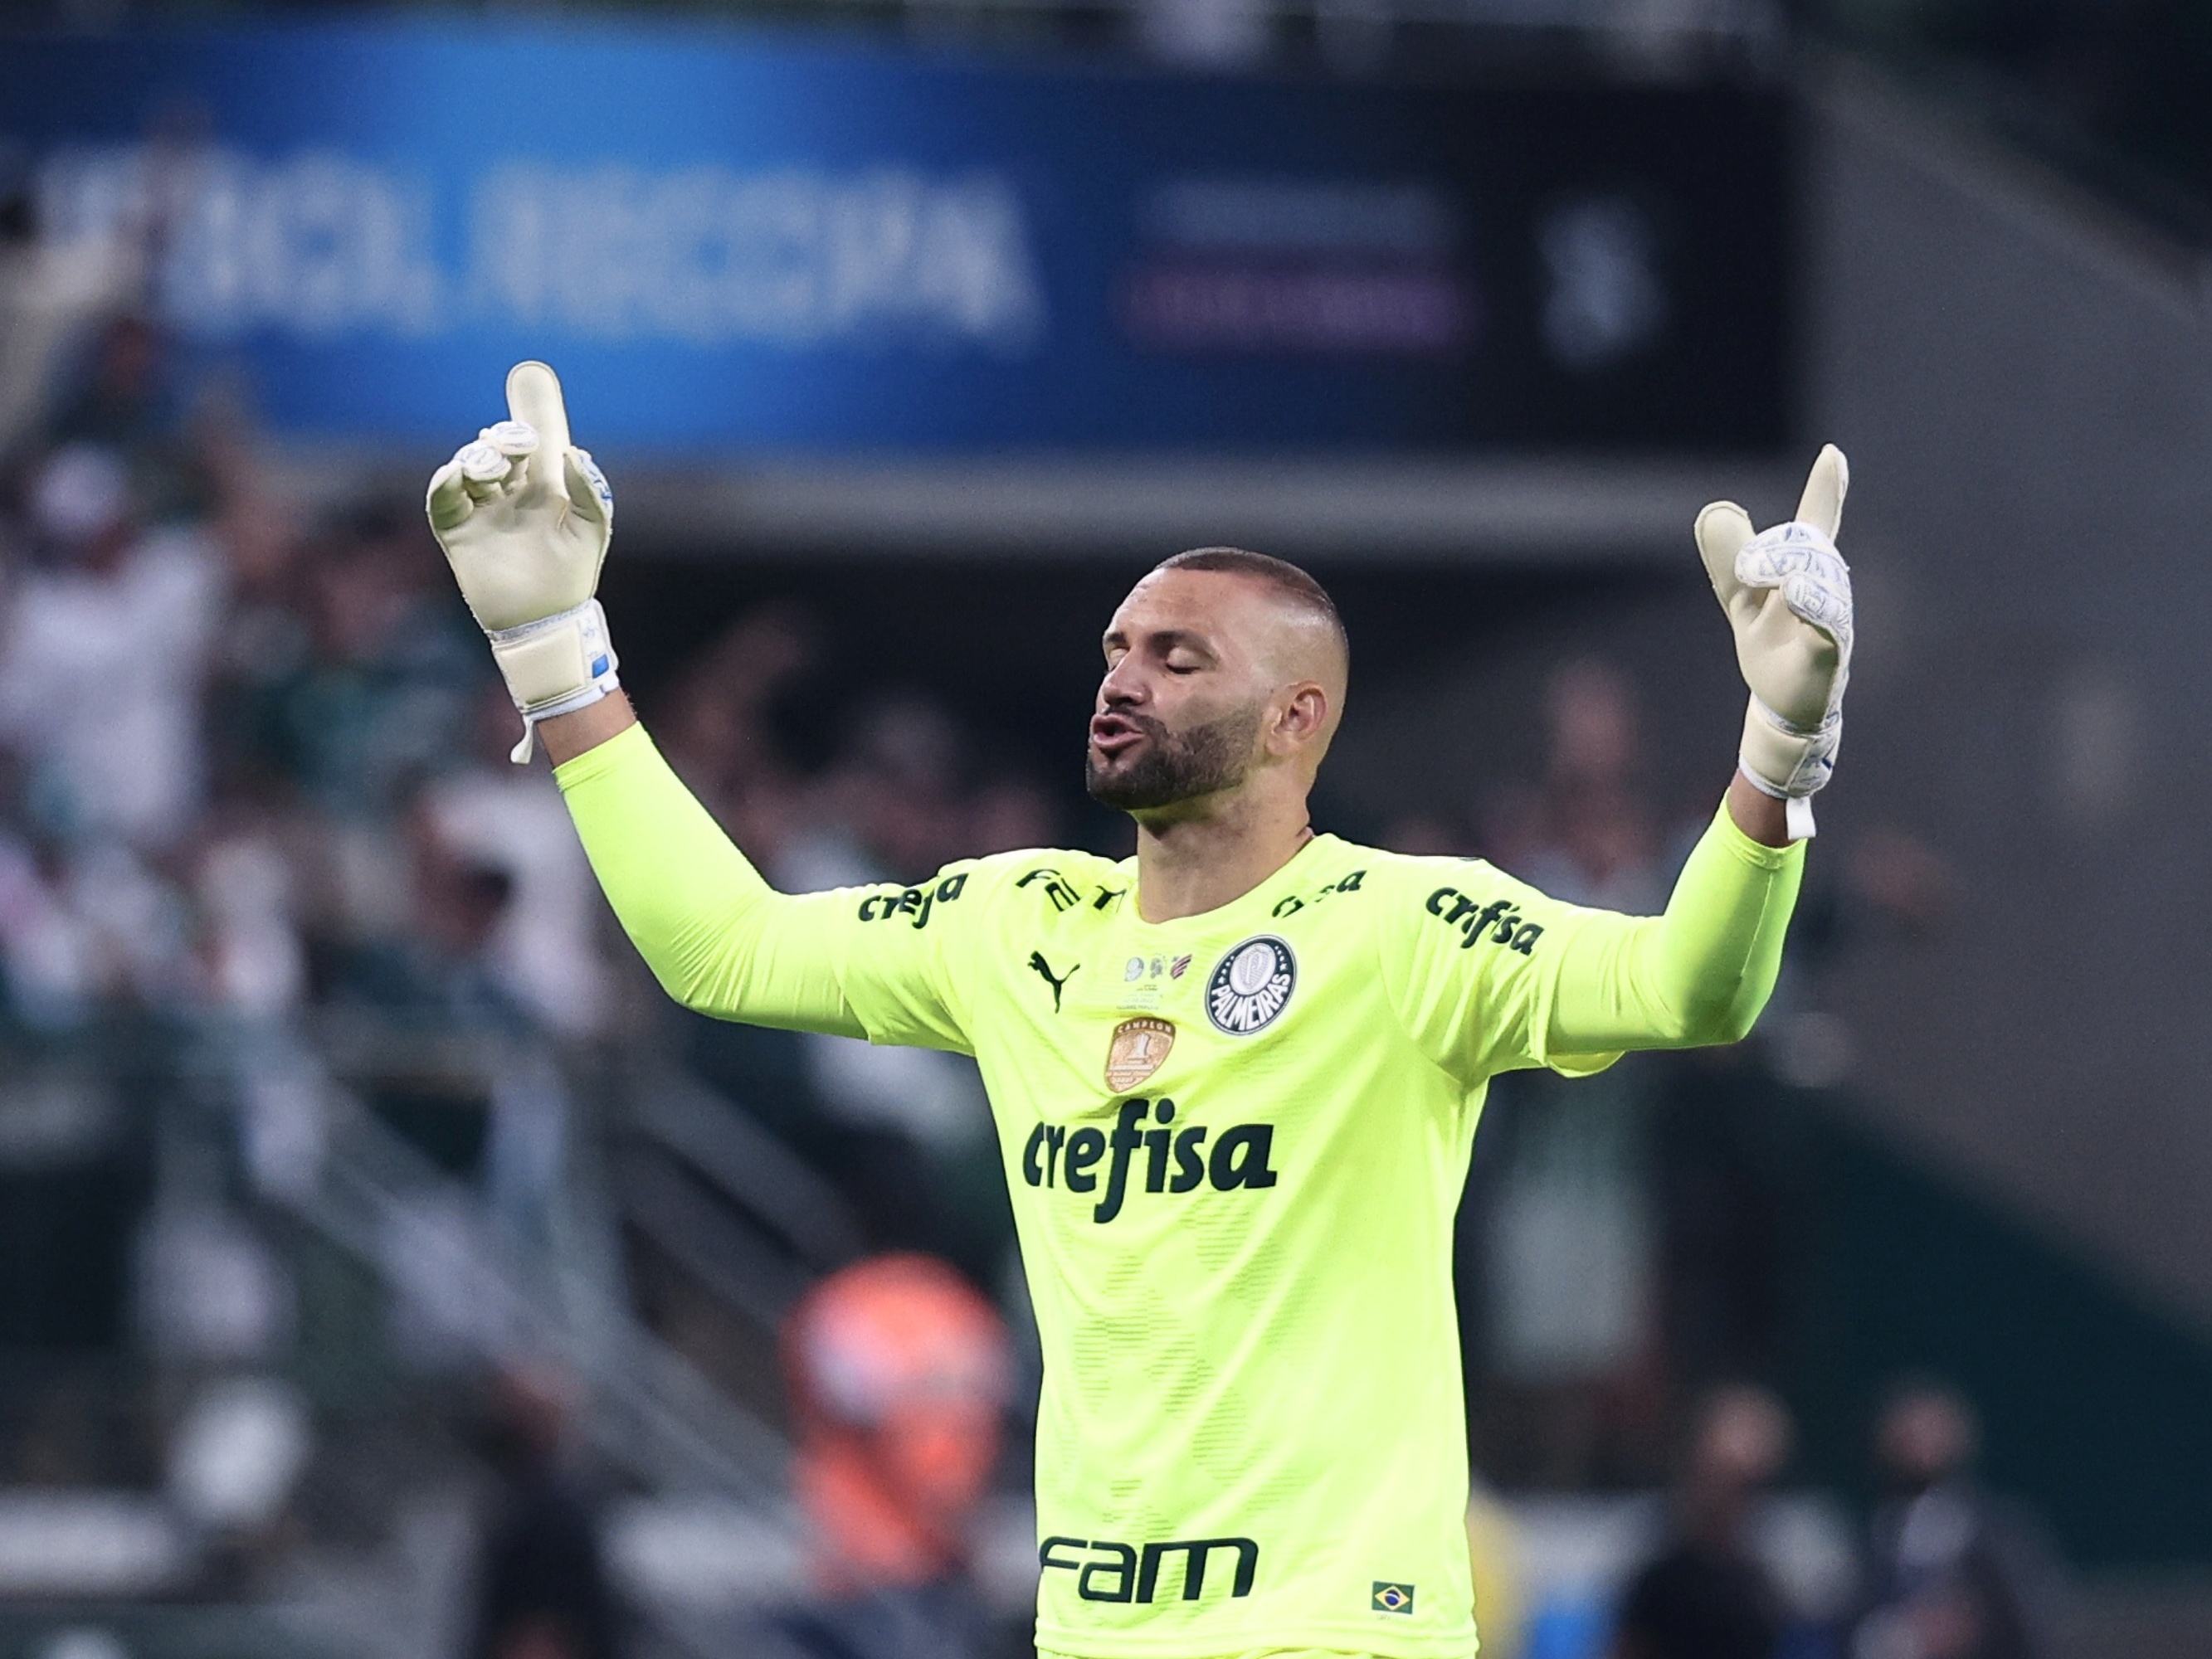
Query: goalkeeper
(1236, 1078)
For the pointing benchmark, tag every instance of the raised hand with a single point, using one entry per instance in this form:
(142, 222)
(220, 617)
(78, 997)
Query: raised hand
(1788, 595)
(524, 518)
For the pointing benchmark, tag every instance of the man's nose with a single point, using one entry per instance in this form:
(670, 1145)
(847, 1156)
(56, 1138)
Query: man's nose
(1124, 684)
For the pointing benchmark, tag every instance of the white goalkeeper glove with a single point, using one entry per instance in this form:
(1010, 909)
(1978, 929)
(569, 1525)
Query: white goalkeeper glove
(1788, 595)
(524, 519)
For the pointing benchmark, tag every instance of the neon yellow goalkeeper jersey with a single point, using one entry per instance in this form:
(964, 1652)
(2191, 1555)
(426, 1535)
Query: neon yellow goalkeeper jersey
(1235, 1143)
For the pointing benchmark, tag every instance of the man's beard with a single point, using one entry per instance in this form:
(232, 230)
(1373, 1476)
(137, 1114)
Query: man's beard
(1176, 766)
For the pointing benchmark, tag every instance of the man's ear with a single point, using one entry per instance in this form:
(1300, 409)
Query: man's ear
(1306, 712)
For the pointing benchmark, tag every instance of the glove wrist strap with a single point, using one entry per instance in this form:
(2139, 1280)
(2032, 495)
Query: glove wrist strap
(1788, 763)
(554, 665)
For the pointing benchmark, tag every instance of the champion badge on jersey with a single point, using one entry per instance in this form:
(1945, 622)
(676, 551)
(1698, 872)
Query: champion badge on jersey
(1393, 1598)
(1251, 986)
(1140, 1049)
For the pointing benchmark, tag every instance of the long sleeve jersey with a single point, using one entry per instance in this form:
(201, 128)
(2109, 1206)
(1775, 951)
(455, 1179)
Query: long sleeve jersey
(1235, 1143)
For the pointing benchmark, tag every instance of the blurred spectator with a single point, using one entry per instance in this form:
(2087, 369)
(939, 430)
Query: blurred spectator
(50, 291)
(435, 971)
(541, 1591)
(1009, 815)
(1427, 835)
(122, 402)
(1901, 878)
(386, 691)
(85, 929)
(1569, 1251)
(897, 797)
(254, 964)
(1594, 840)
(898, 1375)
(45, 947)
(128, 400)
(1951, 1575)
(914, 1128)
(104, 656)
(543, 950)
(716, 727)
(904, 1132)
(1889, 884)
(1706, 1595)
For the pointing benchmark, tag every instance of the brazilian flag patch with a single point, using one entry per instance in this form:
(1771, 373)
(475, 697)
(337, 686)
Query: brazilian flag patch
(1393, 1598)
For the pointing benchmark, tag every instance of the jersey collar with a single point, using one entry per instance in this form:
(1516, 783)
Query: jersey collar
(1262, 897)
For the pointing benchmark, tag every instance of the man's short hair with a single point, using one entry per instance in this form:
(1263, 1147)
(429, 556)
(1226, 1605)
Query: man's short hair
(1281, 574)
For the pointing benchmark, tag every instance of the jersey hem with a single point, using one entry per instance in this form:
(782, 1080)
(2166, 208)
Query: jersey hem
(1459, 1643)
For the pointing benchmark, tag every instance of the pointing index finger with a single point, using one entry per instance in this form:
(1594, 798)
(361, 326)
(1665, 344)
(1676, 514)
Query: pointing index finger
(533, 394)
(1822, 504)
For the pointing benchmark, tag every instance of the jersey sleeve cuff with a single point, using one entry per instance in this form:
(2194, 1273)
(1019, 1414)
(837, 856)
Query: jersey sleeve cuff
(1756, 853)
(602, 758)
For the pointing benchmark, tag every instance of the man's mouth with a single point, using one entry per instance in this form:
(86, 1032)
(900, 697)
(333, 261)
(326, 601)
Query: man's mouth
(1114, 735)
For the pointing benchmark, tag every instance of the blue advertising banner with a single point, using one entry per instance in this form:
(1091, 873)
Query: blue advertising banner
(735, 242)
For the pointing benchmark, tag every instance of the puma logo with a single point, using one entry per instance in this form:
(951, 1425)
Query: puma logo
(1044, 971)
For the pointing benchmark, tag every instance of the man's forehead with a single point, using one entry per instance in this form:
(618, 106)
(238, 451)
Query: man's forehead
(1191, 601)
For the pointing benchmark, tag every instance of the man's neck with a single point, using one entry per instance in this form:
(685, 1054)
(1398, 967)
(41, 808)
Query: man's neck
(1190, 865)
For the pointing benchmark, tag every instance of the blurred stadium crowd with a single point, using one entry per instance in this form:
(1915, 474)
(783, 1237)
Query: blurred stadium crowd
(300, 974)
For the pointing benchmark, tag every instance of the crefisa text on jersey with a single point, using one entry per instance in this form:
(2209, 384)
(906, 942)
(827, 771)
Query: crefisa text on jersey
(1058, 1156)
(1499, 921)
(882, 904)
